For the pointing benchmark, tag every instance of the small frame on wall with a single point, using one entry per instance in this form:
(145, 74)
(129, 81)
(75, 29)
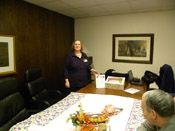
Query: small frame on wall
(133, 48)
(7, 55)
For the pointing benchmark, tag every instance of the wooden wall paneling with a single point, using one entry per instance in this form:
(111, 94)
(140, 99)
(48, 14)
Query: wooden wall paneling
(32, 44)
(60, 46)
(43, 38)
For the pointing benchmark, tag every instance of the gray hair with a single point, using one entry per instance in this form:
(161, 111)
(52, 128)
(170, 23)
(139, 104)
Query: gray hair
(159, 101)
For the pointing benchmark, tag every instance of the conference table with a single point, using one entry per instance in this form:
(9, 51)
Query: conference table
(92, 100)
(91, 88)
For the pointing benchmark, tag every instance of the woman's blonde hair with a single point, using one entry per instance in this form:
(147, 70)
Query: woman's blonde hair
(73, 43)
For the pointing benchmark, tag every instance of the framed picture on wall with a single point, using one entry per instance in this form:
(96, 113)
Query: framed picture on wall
(133, 48)
(7, 55)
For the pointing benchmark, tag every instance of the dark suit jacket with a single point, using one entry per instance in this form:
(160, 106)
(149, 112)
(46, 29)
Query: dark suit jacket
(166, 79)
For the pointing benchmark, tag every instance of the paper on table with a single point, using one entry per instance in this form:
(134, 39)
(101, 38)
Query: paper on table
(153, 85)
(100, 81)
(132, 90)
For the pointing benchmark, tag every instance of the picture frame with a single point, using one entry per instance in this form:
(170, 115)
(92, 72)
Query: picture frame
(7, 55)
(133, 48)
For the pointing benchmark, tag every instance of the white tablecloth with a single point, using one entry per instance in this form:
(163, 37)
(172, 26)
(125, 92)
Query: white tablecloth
(90, 103)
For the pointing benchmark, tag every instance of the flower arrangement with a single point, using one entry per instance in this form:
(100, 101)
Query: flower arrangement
(85, 120)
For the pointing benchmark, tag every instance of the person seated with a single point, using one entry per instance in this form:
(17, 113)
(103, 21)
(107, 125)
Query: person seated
(158, 110)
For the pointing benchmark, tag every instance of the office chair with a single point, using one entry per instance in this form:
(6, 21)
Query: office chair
(112, 72)
(150, 78)
(39, 98)
(12, 107)
(165, 81)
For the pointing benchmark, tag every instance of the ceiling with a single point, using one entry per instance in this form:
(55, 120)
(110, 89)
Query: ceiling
(93, 8)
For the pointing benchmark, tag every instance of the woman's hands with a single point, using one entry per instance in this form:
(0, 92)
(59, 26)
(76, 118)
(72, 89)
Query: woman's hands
(94, 71)
(67, 84)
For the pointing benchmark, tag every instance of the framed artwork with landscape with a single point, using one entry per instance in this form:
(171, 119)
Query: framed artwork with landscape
(133, 48)
(7, 55)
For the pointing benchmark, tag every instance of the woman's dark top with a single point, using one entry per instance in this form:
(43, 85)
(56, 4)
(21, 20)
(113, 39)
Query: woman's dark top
(76, 70)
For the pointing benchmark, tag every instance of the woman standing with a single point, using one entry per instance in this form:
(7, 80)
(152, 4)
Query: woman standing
(76, 68)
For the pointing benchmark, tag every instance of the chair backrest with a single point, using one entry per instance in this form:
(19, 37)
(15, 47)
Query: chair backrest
(12, 107)
(35, 83)
(112, 72)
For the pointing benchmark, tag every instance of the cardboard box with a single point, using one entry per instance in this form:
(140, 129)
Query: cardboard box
(117, 83)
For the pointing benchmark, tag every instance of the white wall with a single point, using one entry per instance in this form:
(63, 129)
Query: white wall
(96, 36)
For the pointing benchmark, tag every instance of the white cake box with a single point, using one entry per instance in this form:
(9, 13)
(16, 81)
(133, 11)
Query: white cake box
(117, 83)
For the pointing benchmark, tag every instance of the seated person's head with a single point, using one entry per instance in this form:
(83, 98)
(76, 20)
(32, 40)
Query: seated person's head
(157, 105)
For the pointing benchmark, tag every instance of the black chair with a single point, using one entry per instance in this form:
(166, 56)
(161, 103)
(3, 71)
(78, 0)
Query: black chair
(149, 78)
(39, 98)
(112, 72)
(12, 107)
(165, 81)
